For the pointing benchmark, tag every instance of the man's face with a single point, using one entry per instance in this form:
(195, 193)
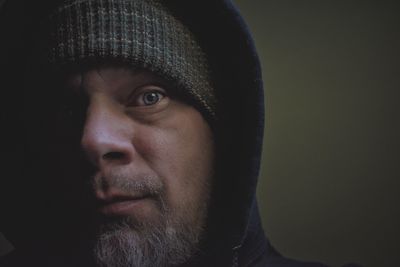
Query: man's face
(153, 160)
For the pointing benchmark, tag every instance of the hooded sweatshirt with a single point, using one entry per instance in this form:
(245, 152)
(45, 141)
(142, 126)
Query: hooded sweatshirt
(234, 232)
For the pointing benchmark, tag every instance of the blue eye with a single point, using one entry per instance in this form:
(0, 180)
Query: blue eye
(147, 96)
(151, 98)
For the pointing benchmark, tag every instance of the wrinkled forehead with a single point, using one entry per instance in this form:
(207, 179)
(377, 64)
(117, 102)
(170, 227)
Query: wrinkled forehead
(112, 75)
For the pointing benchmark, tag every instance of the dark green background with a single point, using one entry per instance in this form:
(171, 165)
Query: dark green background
(329, 188)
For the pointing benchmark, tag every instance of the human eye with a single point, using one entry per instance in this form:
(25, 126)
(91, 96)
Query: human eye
(147, 96)
(72, 110)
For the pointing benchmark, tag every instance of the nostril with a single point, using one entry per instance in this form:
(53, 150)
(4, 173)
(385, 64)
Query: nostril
(113, 156)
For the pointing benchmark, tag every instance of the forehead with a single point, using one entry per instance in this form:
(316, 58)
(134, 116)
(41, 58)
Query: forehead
(114, 76)
(121, 79)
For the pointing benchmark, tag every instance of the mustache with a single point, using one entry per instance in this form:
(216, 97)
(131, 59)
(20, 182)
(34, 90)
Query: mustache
(127, 182)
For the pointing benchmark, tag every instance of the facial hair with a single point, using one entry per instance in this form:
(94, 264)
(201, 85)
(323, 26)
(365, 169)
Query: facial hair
(168, 244)
(168, 239)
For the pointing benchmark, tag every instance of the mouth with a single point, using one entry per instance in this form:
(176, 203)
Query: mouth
(122, 205)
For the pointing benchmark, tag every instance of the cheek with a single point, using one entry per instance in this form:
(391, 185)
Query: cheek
(181, 152)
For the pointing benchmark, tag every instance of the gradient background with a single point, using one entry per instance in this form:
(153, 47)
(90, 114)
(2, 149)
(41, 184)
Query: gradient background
(329, 188)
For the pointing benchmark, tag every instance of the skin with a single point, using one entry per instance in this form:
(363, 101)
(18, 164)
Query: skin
(151, 152)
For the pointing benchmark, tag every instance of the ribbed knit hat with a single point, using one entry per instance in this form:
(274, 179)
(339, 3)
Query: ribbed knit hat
(142, 33)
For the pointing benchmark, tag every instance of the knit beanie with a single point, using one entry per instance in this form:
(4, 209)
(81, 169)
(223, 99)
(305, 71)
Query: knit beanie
(141, 33)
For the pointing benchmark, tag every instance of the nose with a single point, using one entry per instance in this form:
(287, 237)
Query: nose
(107, 137)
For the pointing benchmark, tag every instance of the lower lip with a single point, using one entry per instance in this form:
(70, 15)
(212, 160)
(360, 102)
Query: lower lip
(122, 207)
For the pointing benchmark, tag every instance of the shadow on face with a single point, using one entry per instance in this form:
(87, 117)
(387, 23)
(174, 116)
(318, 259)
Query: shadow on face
(127, 147)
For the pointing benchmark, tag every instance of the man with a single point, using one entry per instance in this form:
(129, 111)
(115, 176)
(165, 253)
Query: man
(142, 135)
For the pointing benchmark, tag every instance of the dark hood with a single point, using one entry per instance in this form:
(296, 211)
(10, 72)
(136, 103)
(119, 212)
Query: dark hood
(239, 131)
(235, 234)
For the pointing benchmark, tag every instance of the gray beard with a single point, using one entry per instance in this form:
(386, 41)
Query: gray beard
(165, 243)
(170, 238)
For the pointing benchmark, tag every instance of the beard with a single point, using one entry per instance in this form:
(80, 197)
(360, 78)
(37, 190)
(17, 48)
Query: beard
(168, 238)
(165, 243)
